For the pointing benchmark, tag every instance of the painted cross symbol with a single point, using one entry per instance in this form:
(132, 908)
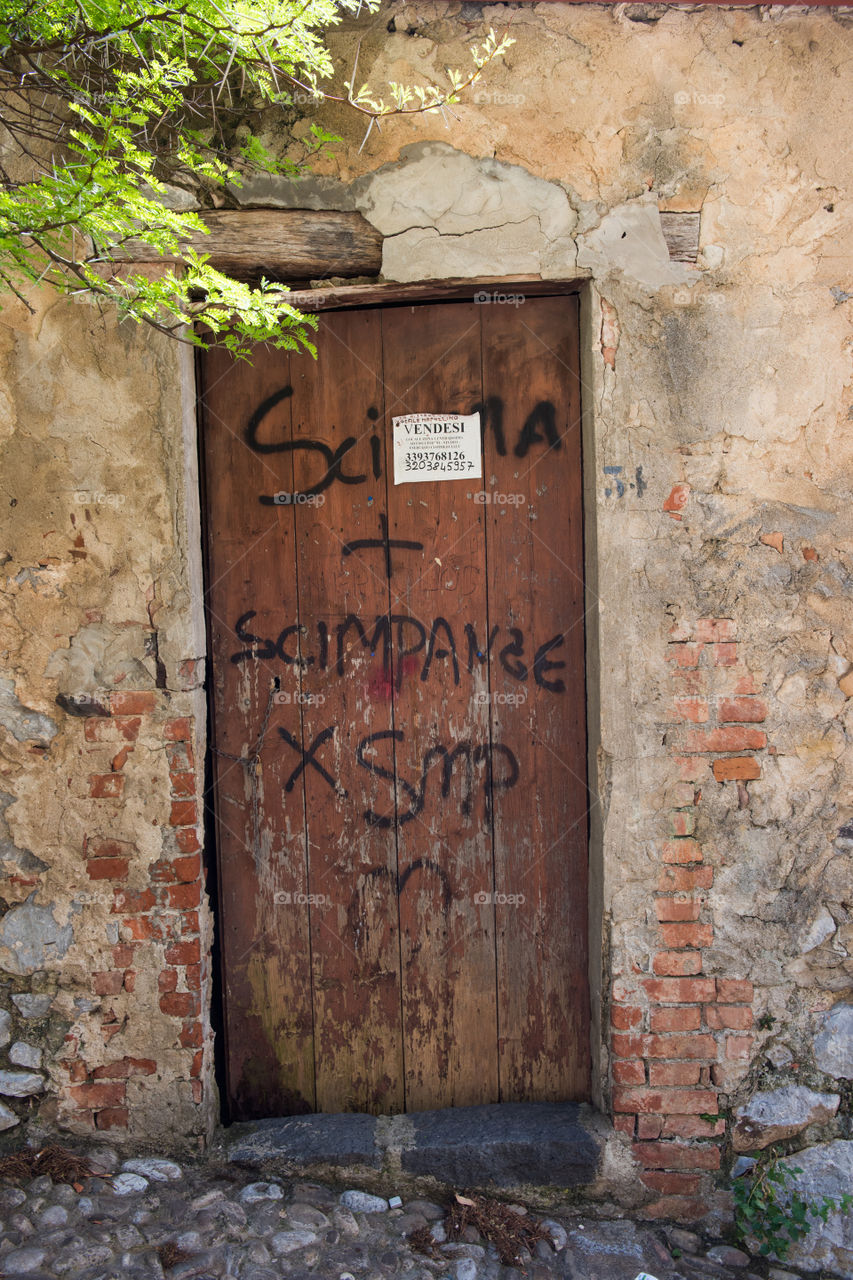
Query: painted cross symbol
(384, 542)
(308, 758)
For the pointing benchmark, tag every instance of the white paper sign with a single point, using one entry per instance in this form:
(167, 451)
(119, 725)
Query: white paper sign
(437, 446)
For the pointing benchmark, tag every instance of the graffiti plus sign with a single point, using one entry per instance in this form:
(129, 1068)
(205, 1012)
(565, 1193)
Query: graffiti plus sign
(384, 542)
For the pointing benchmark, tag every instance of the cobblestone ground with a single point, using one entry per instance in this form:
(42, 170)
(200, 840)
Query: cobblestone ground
(154, 1219)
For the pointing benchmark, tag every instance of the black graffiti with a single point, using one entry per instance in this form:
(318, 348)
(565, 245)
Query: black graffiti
(472, 755)
(307, 758)
(397, 637)
(384, 542)
(538, 428)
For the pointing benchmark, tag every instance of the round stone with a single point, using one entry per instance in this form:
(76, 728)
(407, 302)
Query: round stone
(55, 1216)
(129, 1184)
(363, 1202)
(289, 1241)
(18, 1262)
(156, 1170)
(255, 1192)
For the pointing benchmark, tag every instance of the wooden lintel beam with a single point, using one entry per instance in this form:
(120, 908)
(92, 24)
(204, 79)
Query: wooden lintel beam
(282, 244)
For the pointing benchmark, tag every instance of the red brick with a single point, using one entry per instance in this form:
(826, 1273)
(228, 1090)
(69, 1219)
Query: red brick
(183, 896)
(676, 1155)
(724, 655)
(191, 1035)
(693, 1126)
(104, 729)
(677, 500)
(738, 1047)
(177, 730)
(123, 955)
(184, 813)
(627, 1046)
(192, 977)
(649, 1127)
(733, 737)
(624, 1124)
(680, 990)
(676, 1018)
(715, 629)
(107, 869)
(77, 1071)
(742, 710)
(684, 655)
(187, 840)
(112, 1118)
(143, 928)
(187, 869)
(676, 1208)
(98, 847)
(732, 1017)
(681, 823)
(667, 909)
(673, 1073)
(745, 768)
(107, 983)
(687, 935)
(664, 1101)
(119, 761)
(677, 879)
(183, 784)
(677, 964)
(196, 1065)
(122, 1068)
(189, 923)
(105, 786)
(135, 903)
(689, 682)
(179, 1004)
(167, 980)
(671, 1183)
(130, 980)
(693, 709)
(131, 703)
(180, 756)
(197, 1090)
(682, 1046)
(161, 872)
(683, 850)
(184, 953)
(734, 991)
(628, 1072)
(98, 1095)
(625, 1017)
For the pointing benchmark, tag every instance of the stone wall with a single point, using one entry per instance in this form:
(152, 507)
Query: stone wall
(717, 397)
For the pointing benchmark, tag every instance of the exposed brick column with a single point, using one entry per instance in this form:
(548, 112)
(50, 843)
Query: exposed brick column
(158, 926)
(677, 1033)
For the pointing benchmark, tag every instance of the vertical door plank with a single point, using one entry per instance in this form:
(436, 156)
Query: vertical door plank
(535, 558)
(432, 364)
(260, 829)
(345, 691)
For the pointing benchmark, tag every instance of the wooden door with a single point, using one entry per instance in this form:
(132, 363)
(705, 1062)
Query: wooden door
(398, 716)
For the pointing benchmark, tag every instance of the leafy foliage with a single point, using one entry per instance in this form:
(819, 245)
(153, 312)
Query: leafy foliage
(769, 1209)
(106, 104)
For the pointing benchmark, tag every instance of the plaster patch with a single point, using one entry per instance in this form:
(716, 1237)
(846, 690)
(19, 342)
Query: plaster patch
(629, 240)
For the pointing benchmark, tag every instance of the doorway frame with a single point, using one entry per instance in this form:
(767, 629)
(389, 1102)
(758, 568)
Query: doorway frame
(347, 297)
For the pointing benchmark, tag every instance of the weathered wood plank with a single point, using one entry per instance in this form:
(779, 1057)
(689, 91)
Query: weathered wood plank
(281, 244)
(535, 554)
(344, 687)
(260, 827)
(432, 365)
(681, 233)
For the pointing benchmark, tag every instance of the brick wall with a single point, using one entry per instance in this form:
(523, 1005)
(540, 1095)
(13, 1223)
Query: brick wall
(160, 947)
(679, 1036)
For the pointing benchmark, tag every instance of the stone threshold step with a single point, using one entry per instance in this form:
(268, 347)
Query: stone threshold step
(542, 1144)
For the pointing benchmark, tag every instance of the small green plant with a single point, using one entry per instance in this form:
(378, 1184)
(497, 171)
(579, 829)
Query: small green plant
(769, 1209)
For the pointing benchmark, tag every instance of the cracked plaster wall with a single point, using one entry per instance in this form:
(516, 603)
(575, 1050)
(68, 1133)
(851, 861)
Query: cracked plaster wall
(718, 396)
